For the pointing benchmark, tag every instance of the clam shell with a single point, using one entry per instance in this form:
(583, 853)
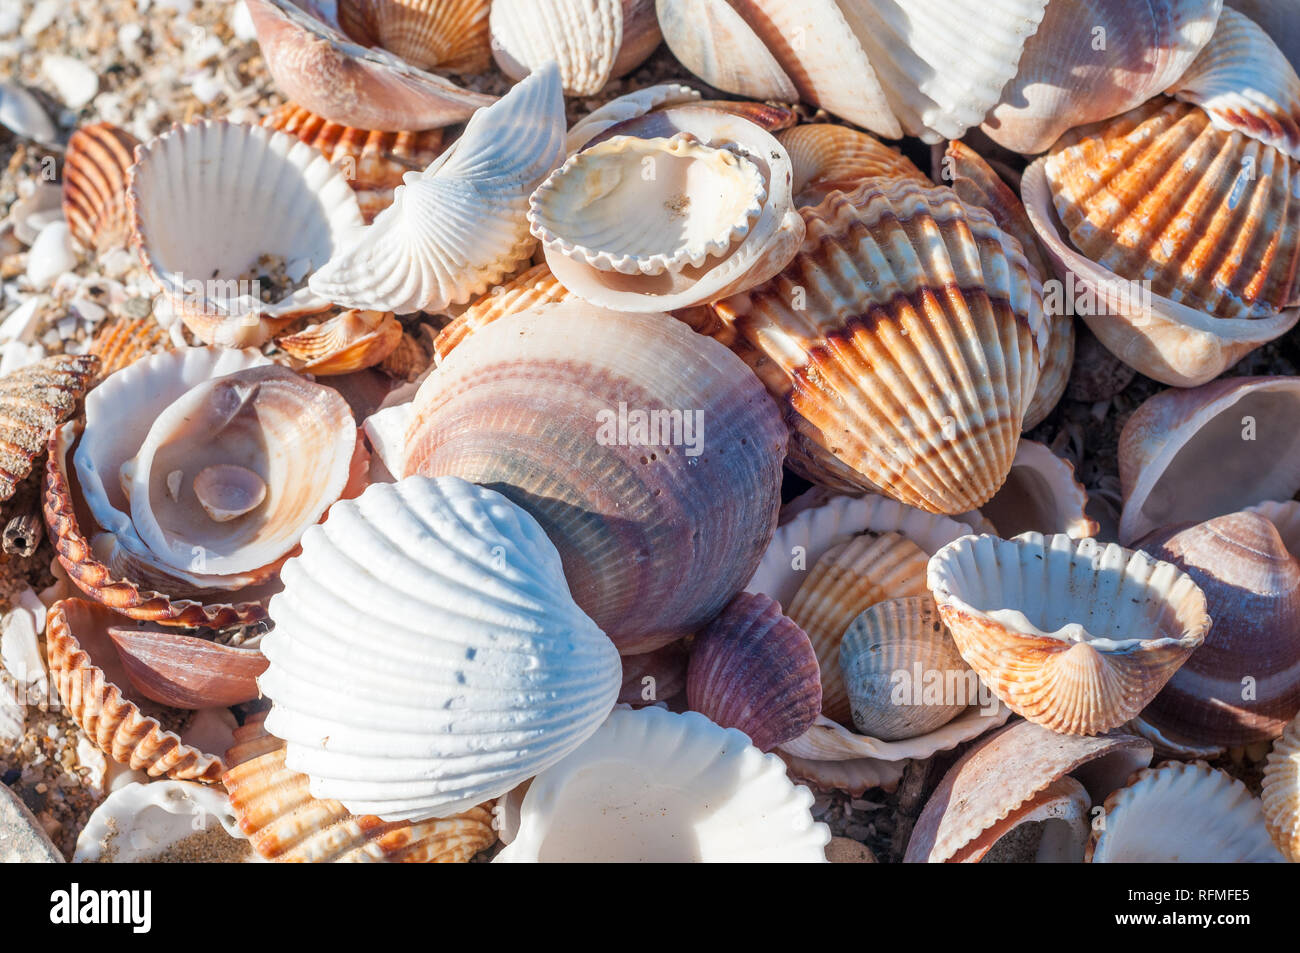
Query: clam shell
(95, 172)
(593, 41)
(426, 654)
(871, 340)
(1238, 426)
(712, 39)
(967, 811)
(264, 193)
(97, 693)
(566, 409)
(1280, 796)
(653, 677)
(163, 822)
(185, 671)
(525, 291)
(1243, 685)
(1182, 813)
(34, 400)
(122, 342)
(1094, 59)
(624, 108)
(316, 65)
(754, 670)
(1040, 495)
(888, 643)
(826, 157)
(1070, 634)
(1182, 242)
(286, 824)
(653, 786)
(457, 227)
(349, 341)
(450, 35)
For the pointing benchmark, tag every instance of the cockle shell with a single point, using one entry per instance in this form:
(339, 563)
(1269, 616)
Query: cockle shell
(826, 157)
(349, 341)
(457, 227)
(754, 256)
(449, 35)
(1243, 685)
(653, 786)
(1182, 238)
(315, 65)
(1093, 59)
(34, 400)
(186, 671)
(122, 342)
(624, 108)
(1042, 495)
(656, 676)
(1280, 796)
(888, 642)
(373, 162)
(98, 694)
(566, 409)
(1240, 426)
(754, 670)
(1280, 20)
(256, 192)
(426, 655)
(982, 796)
(1070, 634)
(285, 823)
(857, 340)
(523, 292)
(593, 41)
(95, 172)
(163, 822)
(1182, 813)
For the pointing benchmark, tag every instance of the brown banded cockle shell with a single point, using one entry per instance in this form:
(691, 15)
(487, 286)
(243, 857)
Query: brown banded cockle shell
(95, 172)
(826, 157)
(523, 292)
(449, 35)
(349, 341)
(121, 342)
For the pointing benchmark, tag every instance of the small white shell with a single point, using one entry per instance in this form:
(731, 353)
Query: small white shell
(164, 822)
(653, 786)
(457, 227)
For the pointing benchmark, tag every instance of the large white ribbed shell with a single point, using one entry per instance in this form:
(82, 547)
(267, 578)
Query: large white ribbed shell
(457, 227)
(427, 655)
(654, 786)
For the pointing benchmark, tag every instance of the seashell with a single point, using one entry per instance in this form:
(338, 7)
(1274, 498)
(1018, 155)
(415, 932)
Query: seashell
(1239, 424)
(653, 786)
(1182, 813)
(1185, 262)
(285, 823)
(317, 66)
(853, 340)
(1245, 84)
(163, 822)
(827, 157)
(593, 41)
(97, 693)
(566, 410)
(34, 400)
(974, 803)
(450, 35)
(427, 655)
(373, 162)
(854, 777)
(600, 209)
(899, 636)
(1093, 59)
(265, 194)
(1243, 685)
(976, 183)
(761, 252)
(22, 114)
(654, 676)
(844, 582)
(349, 341)
(754, 670)
(770, 117)
(1070, 634)
(95, 172)
(476, 192)
(627, 107)
(525, 291)
(1278, 20)
(413, 355)
(1040, 495)
(122, 342)
(1168, 745)
(26, 841)
(185, 671)
(1280, 796)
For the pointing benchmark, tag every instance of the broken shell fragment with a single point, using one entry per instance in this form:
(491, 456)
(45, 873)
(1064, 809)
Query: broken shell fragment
(349, 341)
(95, 172)
(186, 671)
(34, 400)
(162, 822)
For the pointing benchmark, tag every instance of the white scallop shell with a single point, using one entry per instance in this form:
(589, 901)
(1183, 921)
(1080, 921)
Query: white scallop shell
(427, 655)
(176, 821)
(457, 227)
(654, 786)
(208, 199)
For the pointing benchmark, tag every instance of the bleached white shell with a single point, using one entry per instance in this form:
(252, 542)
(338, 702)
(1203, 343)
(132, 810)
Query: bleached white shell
(427, 655)
(23, 115)
(167, 821)
(654, 786)
(459, 226)
(208, 199)
(628, 106)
